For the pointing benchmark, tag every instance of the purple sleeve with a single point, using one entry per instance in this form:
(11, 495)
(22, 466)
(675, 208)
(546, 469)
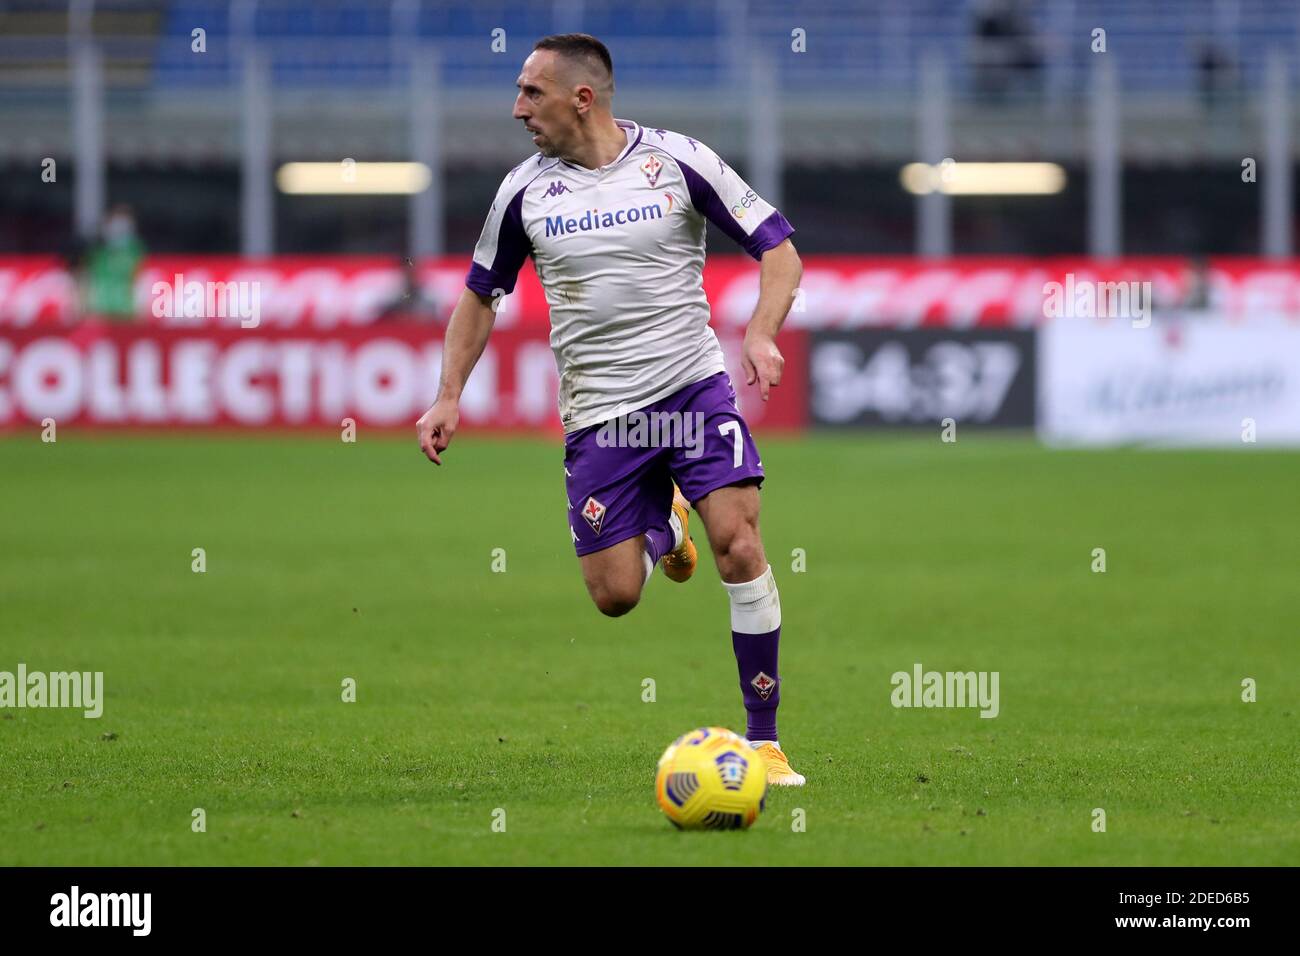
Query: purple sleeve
(769, 233)
(508, 253)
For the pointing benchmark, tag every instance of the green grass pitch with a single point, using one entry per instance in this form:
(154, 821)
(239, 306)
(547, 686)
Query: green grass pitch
(479, 690)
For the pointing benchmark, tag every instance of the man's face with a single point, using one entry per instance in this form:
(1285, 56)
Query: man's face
(544, 104)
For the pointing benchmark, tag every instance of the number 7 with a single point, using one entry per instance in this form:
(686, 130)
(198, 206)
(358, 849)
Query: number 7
(737, 445)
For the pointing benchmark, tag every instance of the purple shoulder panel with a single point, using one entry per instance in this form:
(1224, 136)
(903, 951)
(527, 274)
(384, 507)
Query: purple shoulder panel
(771, 232)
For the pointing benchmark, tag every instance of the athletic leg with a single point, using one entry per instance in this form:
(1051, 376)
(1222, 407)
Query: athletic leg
(619, 505)
(722, 477)
(616, 575)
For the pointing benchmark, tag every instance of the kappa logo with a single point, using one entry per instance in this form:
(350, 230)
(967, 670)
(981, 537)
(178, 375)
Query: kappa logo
(556, 188)
(651, 169)
(763, 684)
(594, 512)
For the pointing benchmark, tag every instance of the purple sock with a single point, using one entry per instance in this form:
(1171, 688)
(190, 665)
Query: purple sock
(755, 634)
(756, 656)
(658, 542)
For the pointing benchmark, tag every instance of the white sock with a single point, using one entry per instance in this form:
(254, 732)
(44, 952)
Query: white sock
(649, 567)
(755, 605)
(675, 523)
(758, 743)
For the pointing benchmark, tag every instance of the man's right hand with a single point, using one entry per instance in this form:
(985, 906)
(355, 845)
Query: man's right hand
(467, 333)
(436, 426)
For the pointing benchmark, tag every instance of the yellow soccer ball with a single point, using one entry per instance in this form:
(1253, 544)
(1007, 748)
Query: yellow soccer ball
(711, 779)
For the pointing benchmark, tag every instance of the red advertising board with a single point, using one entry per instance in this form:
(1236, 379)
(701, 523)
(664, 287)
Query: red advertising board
(836, 292)
(131, 375)
(293, 341)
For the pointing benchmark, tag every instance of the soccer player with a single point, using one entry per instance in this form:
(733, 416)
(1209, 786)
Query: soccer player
(613, 215)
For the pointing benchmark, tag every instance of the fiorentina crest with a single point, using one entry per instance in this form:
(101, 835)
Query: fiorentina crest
(594, 512)
(763, 684)
(651, 168)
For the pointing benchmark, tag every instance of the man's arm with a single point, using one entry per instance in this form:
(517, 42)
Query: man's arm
(718, 194)
(467, 334)
(779, 277)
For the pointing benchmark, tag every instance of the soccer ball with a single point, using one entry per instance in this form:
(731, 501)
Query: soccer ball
(711, 779)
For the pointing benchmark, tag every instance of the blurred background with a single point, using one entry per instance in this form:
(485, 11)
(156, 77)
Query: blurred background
(260, 212)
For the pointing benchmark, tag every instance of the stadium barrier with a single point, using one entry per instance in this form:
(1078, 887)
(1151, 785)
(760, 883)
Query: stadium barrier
(1206, 381)
(836, 291)
(911, 377)
(1198, 353)
(112, 376)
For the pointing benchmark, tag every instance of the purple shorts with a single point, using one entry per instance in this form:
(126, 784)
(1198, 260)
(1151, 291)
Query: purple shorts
(619, 475)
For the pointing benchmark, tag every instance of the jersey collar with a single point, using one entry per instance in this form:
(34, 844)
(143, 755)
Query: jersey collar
(633, 137)
(633, 132)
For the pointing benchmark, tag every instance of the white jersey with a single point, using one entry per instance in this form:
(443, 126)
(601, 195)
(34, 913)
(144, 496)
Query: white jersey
(620, 254)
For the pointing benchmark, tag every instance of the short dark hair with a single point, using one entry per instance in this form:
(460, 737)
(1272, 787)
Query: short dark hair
(580, 46)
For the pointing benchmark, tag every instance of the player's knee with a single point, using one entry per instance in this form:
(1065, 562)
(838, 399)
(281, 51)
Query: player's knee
(614, 601)
(615, 605)
(740, 554)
